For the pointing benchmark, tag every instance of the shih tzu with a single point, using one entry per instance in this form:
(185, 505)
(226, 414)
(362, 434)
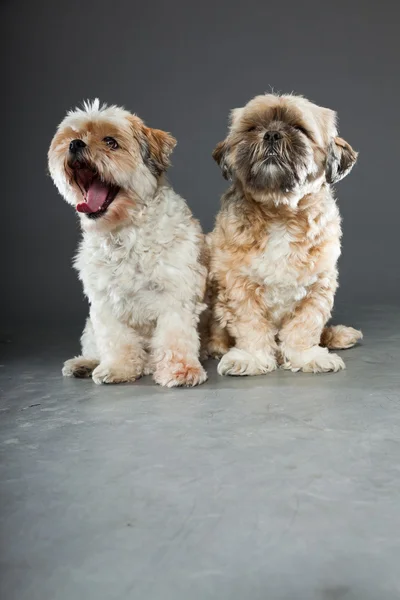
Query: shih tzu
(276, 241)
(141, 258)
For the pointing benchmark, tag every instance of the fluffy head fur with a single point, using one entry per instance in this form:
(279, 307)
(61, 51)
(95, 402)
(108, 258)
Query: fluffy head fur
(119, 160)
(280, 148)
(277, 239)
(141, 259)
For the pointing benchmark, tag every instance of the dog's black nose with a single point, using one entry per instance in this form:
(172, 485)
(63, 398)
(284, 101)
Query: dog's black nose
(76, 145)
(272, 136)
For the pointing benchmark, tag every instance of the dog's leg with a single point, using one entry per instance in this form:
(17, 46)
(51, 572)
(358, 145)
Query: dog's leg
(215, 339)
(83, 366)
(175, 349)
(245, 314)
(204, 333)
(219, 340)
(340, 337)
(122, 357)
(301, 334)
(79, 366)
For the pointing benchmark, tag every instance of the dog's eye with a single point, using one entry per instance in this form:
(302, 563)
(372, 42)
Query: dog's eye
(111, 143)
(252, 128)
(301, 129)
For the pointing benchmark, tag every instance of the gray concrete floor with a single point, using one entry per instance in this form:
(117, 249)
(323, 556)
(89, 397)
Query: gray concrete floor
(283, 487)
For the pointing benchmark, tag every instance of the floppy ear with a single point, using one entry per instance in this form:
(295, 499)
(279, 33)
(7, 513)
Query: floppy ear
(341, 159)
(220, 156)
(157, 145)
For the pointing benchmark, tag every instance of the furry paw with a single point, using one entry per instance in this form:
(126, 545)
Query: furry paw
(179, 373)
(340, 337)
(217, 349)
(241, 362)
(313, 360)
(115, 373)
(148, 369)
(79, 367)
(204, 355)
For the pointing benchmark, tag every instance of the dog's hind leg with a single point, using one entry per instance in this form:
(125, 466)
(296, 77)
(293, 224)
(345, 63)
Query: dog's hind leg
(340, 337)
(83, 366)
(219, 341)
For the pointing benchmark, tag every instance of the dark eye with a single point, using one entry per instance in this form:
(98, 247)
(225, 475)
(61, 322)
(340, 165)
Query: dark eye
(111, 143)
(252, 128)
(301, 129)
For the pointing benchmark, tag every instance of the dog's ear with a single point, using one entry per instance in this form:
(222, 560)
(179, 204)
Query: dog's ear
(341, 159)
(220, 156)
(156, 147)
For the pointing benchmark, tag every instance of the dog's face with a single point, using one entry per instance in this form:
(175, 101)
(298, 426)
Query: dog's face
(104, 161)
(280, 147)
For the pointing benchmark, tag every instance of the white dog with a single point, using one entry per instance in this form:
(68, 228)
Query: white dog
(141, 259)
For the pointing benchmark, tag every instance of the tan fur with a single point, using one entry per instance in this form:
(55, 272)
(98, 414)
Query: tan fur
(273, 251)
(161, 145)
(339, 337)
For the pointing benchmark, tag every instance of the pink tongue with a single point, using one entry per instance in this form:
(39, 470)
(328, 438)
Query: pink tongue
(95, 197)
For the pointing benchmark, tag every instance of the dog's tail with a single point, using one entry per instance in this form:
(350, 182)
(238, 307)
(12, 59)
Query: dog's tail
(339, 337)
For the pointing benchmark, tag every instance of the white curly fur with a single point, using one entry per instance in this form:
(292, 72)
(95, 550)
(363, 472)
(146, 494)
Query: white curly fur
(141, 268)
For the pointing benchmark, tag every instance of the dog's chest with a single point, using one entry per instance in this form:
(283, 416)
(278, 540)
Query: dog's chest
(280, 268)
(276, 262)
(124, 274)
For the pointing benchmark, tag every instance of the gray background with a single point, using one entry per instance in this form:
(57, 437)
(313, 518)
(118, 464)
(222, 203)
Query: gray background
(283, 487)
(182, 66)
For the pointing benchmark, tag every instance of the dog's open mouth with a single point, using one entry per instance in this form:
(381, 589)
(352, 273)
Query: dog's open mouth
(97, 194)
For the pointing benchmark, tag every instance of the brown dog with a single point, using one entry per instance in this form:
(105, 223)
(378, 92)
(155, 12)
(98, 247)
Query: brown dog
(276, 241)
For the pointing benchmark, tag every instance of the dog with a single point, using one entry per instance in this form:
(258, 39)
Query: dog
(276, 240)
(141, 258)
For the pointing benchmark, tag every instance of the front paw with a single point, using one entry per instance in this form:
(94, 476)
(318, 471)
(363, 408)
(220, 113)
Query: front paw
(116, 373)
(313, 360)
(79, 367)
(179, 373)
(240, 362)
